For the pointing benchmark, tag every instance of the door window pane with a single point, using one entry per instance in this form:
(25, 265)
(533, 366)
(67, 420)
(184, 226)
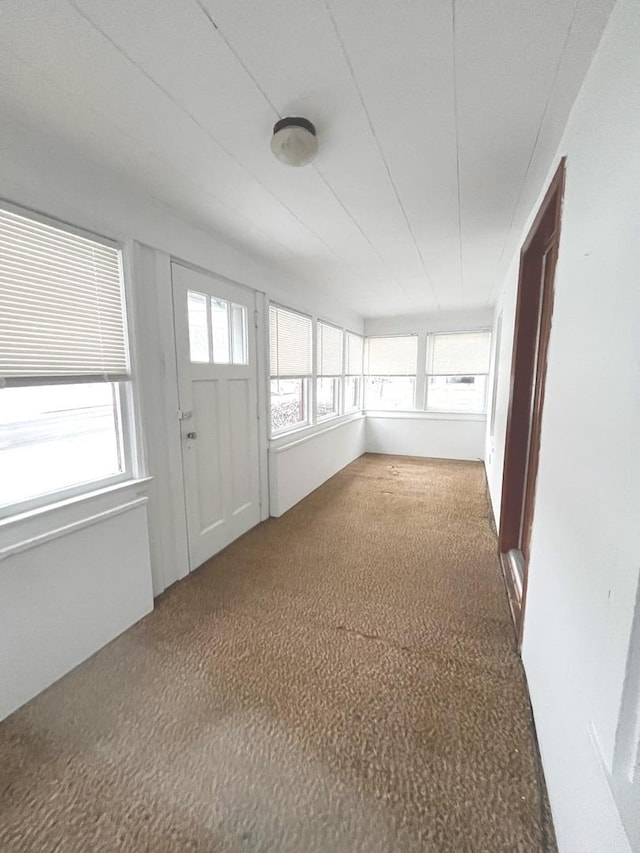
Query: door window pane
(53, 437)
(239, 334)
(327, 397)
(289, 404)
(456, 393)
(390, 392)
(198, 328)
(220, 331)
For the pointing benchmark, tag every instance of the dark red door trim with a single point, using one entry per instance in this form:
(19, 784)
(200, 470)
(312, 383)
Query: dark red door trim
(532, 331)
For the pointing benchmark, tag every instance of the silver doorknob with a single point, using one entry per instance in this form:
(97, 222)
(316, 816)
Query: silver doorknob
(191, 435)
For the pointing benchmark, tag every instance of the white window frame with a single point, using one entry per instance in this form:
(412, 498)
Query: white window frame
(338, 378)
(414, 376)
(308, 382)
(357, 406)
(209, 300)
(127, 408)
(313, 423)
(337, 394)
(429, 343)
(358, 376)
(307, 396)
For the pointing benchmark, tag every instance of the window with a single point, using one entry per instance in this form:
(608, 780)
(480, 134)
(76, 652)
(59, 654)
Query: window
(64, 369)
(353, 372)
(290, 348)
(329, 370)
(306, 391)
(217, 330)
(53, 437)
(457, 368)
(391, 364)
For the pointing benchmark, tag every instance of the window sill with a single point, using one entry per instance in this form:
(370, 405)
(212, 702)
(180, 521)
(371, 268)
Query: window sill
(417, 414)
(326, 418)
(284, 441)
(37, 526)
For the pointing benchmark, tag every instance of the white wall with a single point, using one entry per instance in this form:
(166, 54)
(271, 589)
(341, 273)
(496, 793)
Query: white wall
(444, 321)
(297, 465)
(423, 434)
(67, 592)
(585, 555)
(419, 433)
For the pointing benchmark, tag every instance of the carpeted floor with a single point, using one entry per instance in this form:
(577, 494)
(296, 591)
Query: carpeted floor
(340, 679)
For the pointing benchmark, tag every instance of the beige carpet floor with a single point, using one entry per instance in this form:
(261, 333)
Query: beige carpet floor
(340, 679)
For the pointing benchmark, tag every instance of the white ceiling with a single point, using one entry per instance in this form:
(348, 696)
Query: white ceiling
(437, 121)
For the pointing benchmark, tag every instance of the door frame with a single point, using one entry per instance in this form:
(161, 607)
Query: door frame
(532, 332)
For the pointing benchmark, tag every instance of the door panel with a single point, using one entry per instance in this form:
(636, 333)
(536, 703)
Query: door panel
(218, 408)
(242, 462)
(203, 455)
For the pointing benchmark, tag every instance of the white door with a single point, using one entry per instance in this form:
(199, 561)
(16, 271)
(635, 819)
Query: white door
(217, 386)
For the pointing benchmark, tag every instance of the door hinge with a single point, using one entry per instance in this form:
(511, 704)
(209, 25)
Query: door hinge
(184, 415)
(255, 319)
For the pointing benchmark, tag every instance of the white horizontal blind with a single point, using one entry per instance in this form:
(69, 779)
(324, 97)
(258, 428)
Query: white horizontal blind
(393, 356)
(355, 353)
(61, 306)
(329, 350)
(289, 343)
(459, 354)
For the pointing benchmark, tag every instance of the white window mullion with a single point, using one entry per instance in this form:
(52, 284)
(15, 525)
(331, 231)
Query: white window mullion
(421, 375)
(343, 389)
(313, 393)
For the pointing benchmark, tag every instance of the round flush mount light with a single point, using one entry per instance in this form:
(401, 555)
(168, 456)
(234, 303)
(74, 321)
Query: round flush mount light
(294, 141)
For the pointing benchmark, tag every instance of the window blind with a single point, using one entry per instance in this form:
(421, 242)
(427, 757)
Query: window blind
(459, 353)
(329, 350)
(355, 352)
(61, 306)
(393, 356)
(289, 343)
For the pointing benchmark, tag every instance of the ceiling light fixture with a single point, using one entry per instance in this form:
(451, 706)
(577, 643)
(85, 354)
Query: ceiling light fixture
(294, 141)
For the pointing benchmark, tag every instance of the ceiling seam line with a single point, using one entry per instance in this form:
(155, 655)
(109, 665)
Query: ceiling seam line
(268, 100)
(166, 164)
(355, 222)
(533, 149)
(186, 112)
(379, 147)
(222, 35)
(457, 132)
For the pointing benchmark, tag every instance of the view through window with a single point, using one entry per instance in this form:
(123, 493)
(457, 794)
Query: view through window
(63, 364)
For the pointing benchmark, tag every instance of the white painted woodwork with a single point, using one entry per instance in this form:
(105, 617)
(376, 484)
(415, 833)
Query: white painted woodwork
(425, 434)
(297, 465)
(68, 589)
(220, 438)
